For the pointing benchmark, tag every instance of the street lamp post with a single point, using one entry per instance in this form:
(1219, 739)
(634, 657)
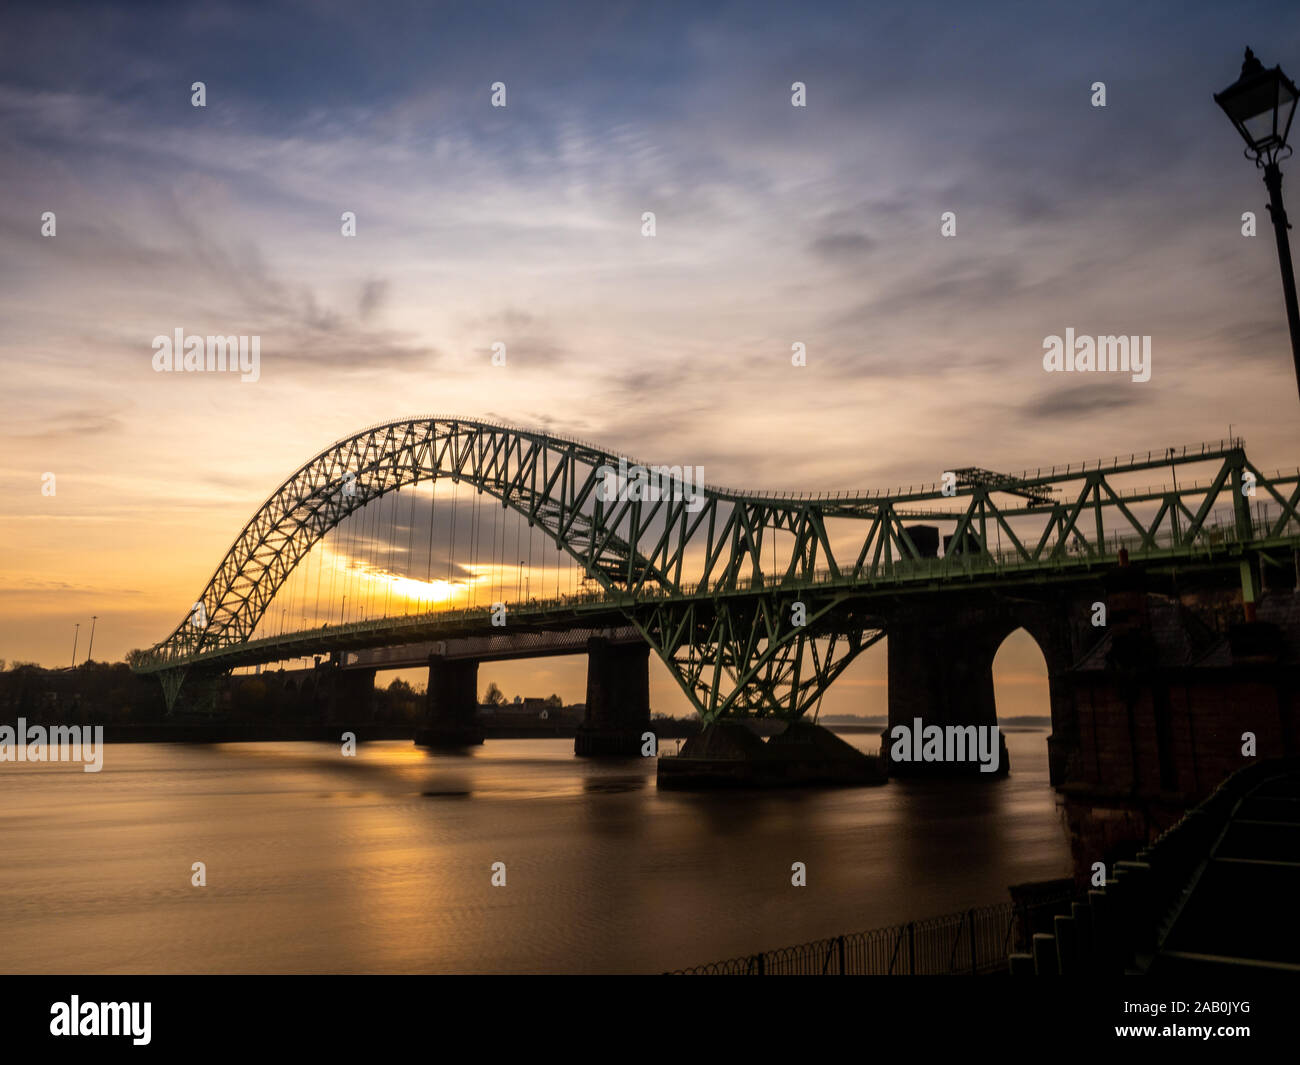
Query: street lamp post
(93, 618)
(76, 633)
(1261, 104)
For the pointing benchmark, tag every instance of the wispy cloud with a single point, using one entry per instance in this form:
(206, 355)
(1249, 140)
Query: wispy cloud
(522, 225)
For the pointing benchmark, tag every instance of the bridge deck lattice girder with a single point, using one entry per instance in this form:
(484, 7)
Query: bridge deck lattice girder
(602, 609)
(639, 550)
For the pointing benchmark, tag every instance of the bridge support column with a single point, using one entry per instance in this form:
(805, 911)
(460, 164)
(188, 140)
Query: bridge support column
(618, 699)
(941, 673)
(171, 679)
(351, 695)
(451, 708)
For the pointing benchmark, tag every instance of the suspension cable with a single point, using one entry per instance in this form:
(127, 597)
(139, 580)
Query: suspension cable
(471, 589)
(319, 559)
(494, 574)
(392, 527)
(514, 561)
(432, 522)
(451, 550)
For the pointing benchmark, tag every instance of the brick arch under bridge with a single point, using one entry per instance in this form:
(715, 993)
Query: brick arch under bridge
(941, 650)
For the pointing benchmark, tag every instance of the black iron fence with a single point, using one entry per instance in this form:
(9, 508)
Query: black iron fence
(972, 942)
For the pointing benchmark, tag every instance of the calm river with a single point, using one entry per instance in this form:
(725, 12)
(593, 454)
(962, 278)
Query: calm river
(383, 862)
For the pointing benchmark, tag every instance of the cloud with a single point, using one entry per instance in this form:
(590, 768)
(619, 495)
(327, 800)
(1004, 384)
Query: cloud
(851, 247)
(81, 422)
(1074, 399)
(775, 225)
(61, 588)
(373, 294)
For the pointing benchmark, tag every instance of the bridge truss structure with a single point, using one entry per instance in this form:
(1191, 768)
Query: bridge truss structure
(755, 601)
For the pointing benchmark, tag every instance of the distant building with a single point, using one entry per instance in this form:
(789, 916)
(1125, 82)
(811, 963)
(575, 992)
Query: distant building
(524, 712)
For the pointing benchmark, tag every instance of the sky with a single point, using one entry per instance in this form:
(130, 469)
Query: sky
(523, 225)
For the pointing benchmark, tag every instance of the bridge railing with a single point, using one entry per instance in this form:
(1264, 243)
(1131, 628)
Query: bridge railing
(1183, 452)
(1179, 453)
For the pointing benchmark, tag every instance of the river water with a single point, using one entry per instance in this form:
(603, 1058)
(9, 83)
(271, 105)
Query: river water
(383, 862)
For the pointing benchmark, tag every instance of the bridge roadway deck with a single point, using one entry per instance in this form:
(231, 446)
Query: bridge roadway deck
(600, 613)
(496, 647)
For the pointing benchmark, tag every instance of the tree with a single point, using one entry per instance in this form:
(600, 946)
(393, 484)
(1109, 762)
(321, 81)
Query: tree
(554, 701)
(493, 696)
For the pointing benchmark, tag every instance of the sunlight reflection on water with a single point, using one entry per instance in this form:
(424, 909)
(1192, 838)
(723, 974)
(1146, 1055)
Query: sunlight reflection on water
(382, 863)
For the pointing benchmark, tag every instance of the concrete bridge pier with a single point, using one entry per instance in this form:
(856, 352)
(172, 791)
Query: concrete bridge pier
(451, 707)
(618, 699)
(351, 695)
(940, 672)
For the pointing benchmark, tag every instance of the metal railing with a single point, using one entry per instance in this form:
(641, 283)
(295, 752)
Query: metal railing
(1181, 453)
(973, 942)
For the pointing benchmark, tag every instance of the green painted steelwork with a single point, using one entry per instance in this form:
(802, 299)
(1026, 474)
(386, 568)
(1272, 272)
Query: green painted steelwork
(712, 579)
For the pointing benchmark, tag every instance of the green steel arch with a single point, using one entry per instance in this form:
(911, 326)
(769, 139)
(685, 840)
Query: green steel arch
(697, 568)
(549, 480)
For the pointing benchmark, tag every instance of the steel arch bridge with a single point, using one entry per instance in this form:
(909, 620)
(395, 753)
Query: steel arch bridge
(755, 601)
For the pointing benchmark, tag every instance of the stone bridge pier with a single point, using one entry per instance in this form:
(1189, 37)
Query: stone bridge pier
(618, 699)
(451, 704)
(351, 694)
(940, 662)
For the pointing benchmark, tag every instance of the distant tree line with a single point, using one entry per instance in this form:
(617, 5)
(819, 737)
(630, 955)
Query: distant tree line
(110, 693)
(494, 696)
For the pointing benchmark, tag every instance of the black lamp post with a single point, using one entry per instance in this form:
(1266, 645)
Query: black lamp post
(1261, 104)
